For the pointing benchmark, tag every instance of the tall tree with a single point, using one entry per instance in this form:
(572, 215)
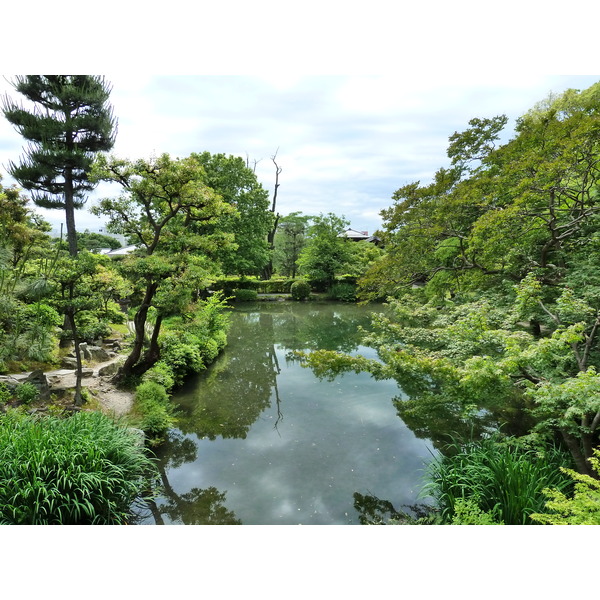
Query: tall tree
(237, 185)
(289, 242)
(268, 270)
(327, 253)
(71, 120)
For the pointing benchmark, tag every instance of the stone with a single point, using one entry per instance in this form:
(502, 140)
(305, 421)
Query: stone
(109, 369)
(40, 381)
(68, 363)
(83, 348)
(98, 354)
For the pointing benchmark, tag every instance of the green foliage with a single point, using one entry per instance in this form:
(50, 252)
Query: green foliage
(237, 185)
(276, 286)
(345, 292)
(495, 477)
(326, 253)
(156, 413)
(228, 285)
(94, 241)
(5, 393)
(466, 512)
(300, 290)
(162, 374)
(70, 123)
(81, 470)
(27, 393)
(583, 508)
(174, 217)
(27, 331)
(289, 241)
(192, 341)
(245, 295)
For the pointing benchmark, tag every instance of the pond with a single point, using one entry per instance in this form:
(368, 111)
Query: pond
(261, 440)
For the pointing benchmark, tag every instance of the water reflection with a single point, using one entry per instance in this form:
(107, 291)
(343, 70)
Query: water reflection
(195, 507)
(263, 441)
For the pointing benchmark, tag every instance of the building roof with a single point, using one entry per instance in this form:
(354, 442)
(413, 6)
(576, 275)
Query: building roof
(353, 234)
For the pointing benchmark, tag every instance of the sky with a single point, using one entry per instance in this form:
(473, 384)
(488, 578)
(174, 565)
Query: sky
(344, 143)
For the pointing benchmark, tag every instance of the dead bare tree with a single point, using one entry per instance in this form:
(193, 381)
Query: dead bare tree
(268, 269)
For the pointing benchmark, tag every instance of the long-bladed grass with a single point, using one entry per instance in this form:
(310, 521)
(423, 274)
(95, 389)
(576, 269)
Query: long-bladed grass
(84, 469)
(503, 480)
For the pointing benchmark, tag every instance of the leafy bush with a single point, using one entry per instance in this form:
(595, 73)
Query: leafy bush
(276, 286)
(162, 374)
(244, 295)
(154, 409)
(503, 480)
(228, 285)
(81, 470)
(5, 393)
(345, 292)
(300, 290)
(27, 392)
(90, 327)
(582, 509)
(181, 351)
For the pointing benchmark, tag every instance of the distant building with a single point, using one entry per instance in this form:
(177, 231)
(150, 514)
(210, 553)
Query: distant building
(118, 252)
(360, 236)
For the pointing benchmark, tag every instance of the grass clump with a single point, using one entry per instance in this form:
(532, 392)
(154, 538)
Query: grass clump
(81, 470)
(495, 478)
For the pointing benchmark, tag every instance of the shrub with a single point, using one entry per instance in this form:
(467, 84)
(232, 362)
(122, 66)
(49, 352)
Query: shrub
(583, 508)
(154, 409)
(228, 285)
(300, 290)
(5, 393)
(27, 392)
(244, 295)
(181, 351)
(162, 374)
(81, 470)
(276, 286)
(501, 479)
(345, 292)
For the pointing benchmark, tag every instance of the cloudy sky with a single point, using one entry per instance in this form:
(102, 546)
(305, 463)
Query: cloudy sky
(344, 143)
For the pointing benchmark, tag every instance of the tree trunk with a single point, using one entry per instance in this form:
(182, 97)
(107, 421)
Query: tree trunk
(581, 463)
(152, 354)
(70, 318)
(139, 322)
(268, 268)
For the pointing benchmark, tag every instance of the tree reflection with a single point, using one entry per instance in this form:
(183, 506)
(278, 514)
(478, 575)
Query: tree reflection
(238, 387)
(196, 507)
(374, 511)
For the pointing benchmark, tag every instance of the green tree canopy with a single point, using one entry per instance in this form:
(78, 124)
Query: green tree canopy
(163, 201)
(327, 252)
(250, 223)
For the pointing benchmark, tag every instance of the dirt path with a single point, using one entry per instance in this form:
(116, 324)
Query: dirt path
(112, 400)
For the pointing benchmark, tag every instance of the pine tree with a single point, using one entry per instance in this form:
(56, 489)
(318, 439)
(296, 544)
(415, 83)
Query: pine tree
(69, 123)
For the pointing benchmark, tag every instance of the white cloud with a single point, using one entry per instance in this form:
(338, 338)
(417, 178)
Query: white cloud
(344, 143)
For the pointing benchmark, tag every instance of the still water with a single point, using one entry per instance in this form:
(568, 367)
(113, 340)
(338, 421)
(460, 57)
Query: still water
(261, 440)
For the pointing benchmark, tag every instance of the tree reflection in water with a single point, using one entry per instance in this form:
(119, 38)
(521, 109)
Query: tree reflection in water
(196, 507)
(240, 389)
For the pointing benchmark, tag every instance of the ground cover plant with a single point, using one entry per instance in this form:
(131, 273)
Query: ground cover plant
(502, 480)
(81, 470)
